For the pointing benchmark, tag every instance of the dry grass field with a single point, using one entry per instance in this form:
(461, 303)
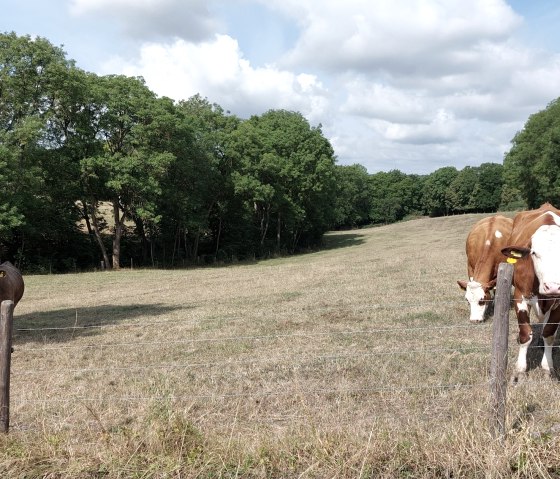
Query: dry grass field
(355, 361)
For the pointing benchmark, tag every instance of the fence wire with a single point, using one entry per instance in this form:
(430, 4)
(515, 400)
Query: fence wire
(216, 397)
(393, 352)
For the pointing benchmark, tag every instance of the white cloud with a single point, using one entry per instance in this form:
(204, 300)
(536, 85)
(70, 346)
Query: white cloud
(217, 70)
(441, 129)
(410, 84)
(394, 35)
(384, 102)
(152, 19)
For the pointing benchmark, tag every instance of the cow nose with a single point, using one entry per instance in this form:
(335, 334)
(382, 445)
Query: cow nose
(551, 288)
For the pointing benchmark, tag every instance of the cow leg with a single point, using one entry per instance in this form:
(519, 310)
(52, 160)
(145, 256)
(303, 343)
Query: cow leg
(521, 365)
(549, 333)
(490, 305)
(546, 362)
(525, 338)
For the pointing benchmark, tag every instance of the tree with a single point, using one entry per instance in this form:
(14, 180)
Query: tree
(436, 195)
(128, 171)
(461, 189)
(352, 199)
(532, 165)
(487, 194)
(74, 138)
(393, 195)
(37, 217)
(284, 172)
(196, 204)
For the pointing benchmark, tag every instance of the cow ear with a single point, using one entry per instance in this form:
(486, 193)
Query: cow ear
(462, 284)
(515, 252)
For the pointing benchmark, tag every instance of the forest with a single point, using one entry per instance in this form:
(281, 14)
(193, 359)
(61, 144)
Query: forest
(99, 170)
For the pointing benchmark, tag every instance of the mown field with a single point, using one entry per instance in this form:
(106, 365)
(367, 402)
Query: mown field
(355, 361)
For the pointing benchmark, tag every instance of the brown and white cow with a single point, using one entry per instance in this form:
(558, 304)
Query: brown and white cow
(484, 254)
(535, 250)
(11, 283)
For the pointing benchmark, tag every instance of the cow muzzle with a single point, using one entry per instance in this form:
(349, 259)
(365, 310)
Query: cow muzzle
(476, 320)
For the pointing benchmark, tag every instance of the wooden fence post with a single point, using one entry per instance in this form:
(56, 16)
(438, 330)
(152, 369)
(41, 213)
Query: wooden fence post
(498, 367)
(6, 321)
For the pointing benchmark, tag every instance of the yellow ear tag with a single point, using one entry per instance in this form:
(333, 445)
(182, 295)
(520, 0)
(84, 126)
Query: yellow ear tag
(511, 260)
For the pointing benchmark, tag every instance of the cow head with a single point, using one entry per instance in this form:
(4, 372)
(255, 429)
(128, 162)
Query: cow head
(544, 252)
(478, 296)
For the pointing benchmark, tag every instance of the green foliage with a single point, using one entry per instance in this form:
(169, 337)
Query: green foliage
(352, 198)
(285, 175)
(487, 193)
(92, 163)
(532, 165)
(437, 199)
(476, 189)
(394, 196)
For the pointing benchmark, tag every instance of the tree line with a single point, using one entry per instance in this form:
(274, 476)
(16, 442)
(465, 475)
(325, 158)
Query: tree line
(99, 168)
(387, 197)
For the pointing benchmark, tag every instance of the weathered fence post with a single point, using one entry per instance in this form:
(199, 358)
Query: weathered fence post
(6, 321)
(498, 367)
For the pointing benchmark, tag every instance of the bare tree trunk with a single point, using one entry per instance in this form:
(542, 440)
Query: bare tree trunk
(188, 251)
(97, 234)
(176, 244)
(85, 216)
(264, 224)
(141, 230)
(295, 239)
(278, 226)
(195, 245)
(218, 236)
(119, 225)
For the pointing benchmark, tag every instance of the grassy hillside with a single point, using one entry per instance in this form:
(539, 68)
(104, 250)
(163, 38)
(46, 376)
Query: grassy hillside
(356, 361)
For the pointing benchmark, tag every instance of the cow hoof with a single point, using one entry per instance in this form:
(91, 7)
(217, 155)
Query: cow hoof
(477, 321)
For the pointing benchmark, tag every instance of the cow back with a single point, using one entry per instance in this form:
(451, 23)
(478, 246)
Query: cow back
(483, 247)
(525, 224)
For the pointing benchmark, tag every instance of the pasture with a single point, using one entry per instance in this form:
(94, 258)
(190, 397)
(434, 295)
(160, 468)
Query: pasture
(354, 361)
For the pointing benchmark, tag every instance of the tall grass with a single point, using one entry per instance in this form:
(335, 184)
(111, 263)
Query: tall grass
(355, 361)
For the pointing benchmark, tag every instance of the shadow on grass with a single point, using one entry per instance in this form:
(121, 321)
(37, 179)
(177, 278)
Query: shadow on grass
(63, 325)
(342, 240)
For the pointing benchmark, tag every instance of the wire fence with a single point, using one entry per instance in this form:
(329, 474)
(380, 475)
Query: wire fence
(256, 360)
(315, 311)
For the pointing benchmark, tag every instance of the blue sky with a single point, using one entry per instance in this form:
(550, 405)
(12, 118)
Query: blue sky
(413, 85)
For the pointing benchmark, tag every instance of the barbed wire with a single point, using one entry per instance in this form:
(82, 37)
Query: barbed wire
(314, 392)
(427, 414)
(253, 362)
(336, 308)
(254, 337)
(215, 397)
(341, 309)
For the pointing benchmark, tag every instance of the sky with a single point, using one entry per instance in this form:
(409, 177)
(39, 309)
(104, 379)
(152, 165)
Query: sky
(413, 85)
